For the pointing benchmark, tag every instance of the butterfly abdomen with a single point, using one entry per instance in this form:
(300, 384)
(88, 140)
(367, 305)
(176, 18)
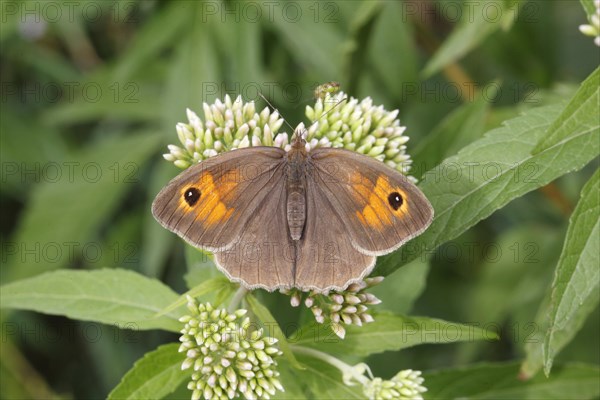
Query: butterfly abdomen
(296, 191)
(296, 212)
(296, 201)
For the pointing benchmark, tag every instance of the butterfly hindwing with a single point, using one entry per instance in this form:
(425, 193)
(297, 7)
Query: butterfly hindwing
(380, 208)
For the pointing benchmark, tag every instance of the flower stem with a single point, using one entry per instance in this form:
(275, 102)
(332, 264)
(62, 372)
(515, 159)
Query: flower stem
(237, 299)
(347, 370)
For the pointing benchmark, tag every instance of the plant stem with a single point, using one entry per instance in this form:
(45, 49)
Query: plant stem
(237, 299)
(342, 366)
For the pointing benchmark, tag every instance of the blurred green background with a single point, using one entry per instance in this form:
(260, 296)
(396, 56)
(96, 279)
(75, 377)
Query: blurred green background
(91, 93)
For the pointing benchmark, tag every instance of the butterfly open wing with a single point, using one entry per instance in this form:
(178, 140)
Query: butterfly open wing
(263, 256)
(378, 206)
(327, 260)
(210, 203)
(235, 205)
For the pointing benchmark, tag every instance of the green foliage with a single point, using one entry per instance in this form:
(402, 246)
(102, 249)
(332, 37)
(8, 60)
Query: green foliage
(94, 182)
(500, 381)
(501, 100)
(462, 126)
(155, 375)
(475, 26)
(575, 291)
(588, 6)
(273, 329)
(505, 164)
(117, 297)
(389, 332)
(399, 291)
(579, 121)
(324, 381)
(201, 291)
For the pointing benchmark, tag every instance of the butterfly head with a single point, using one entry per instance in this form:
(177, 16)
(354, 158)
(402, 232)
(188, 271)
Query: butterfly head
(298, 139)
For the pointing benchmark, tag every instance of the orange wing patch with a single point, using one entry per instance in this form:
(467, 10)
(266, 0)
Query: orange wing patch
(377, 213)
(210, 208)
(372, 218)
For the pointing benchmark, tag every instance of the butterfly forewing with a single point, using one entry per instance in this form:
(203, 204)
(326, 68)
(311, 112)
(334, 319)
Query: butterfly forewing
(209, 203)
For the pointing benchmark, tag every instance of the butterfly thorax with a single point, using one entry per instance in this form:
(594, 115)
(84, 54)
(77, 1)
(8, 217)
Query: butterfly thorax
(296, 190)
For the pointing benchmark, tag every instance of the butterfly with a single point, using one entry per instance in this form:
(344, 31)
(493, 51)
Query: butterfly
(306, 219)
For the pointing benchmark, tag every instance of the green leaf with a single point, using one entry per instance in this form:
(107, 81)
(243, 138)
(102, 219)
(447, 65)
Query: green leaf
(355, 49)
(589, 7)
(62, 214)
(153, 376)
(323, 381)
(388, 332)
(309, 31)
(478, 21)
(195, 75)
(514, 272)
(208, 286)
(99, 96)
(500, 381)
(17, 374)
(201, 268)
(157, 242)
(80, 111)
(244, 62)
(461, 127)
(110, 296)
(200, 265)
(575, 290)
(154, 36)
(10, 23)
(536, 350)
(580, 117)
(513, 280)
(225, 293)
(272, 328)
(294, 387)
(491, 172)
(400, 290)
(396, 72)
(50, 63)
(44, 146)
(121, 236)
(534, 356)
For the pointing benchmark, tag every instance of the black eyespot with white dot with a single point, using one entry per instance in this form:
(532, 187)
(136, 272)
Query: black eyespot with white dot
(191, 196)
(395, 199)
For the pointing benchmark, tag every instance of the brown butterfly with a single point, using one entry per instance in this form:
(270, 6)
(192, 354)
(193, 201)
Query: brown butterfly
(312, 220)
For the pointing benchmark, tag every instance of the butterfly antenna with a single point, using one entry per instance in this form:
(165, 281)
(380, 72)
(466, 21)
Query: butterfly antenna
(276, 110)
